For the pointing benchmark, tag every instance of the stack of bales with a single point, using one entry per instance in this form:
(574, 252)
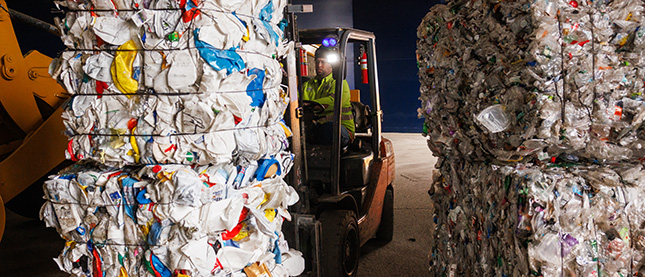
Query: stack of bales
(175, 118)
(534, 109)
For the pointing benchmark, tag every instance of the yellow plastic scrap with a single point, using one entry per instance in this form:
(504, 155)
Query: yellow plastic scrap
(135, 146)
(244, 232)
(246, 37)
(123, 273)
(270, 214)
(83, 188)
(164, 64)
(164, 176)
(122, 70)
(70, 244)
(145, 229)
(623, 40)
(287, 132)
(266, 198)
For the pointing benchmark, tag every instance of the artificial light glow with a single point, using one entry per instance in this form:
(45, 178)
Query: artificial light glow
(332, 58)
(329, 42)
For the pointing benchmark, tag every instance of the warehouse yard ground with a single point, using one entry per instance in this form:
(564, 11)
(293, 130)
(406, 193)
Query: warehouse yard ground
(27, 247)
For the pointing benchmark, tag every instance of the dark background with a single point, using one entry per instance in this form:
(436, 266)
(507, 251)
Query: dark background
(395, 25)
(393, 22)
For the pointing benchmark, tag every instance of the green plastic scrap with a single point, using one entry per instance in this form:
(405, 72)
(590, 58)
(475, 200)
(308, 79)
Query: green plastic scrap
(174, 36)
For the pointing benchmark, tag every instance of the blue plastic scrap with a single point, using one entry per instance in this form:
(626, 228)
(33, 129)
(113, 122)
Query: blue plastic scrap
(129, 196)
(266, 14)
(254, 89)
(219, 59)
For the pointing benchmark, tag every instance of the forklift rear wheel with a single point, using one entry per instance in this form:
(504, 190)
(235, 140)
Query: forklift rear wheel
(386, 229)
(341, 245)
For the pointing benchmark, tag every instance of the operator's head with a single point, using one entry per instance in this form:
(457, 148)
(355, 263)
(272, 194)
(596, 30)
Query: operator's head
(325, 56)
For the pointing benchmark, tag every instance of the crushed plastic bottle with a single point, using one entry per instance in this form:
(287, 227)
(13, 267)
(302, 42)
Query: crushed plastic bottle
(494, 119)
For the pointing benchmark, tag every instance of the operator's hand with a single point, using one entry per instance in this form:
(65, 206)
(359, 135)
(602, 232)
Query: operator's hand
(313, 106)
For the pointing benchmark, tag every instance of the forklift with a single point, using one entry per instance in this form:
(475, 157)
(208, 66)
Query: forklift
(346, 194)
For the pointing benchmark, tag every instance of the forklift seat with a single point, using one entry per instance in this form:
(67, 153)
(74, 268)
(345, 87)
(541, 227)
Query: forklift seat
(355, 159)
(354, 165)
(362, 117)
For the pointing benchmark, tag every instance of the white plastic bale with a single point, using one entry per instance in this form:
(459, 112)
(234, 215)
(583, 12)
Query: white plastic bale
(173, 212)
(165, 61)
(144, 93)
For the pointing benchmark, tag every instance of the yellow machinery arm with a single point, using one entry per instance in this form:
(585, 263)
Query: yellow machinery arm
(33, 145)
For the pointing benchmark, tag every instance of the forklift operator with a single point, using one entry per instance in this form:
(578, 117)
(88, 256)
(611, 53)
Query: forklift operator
(320, 89)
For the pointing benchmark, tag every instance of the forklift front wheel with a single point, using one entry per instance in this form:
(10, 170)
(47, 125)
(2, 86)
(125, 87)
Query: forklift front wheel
(341, 245)
(2, 218)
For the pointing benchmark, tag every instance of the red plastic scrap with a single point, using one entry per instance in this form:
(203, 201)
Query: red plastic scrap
(100, 87)
(70, 149)
(98, 268)
(190, 14)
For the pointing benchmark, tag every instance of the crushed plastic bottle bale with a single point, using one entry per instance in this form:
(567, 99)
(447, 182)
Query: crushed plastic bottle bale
(535, 110)
(169, 218)
(569, 76)
(531, 220)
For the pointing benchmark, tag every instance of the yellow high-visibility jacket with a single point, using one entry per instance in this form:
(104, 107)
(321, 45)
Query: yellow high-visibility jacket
(322, 92)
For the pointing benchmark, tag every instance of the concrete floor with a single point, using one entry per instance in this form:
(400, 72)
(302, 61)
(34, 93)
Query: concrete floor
(27, 247)
(407, 253)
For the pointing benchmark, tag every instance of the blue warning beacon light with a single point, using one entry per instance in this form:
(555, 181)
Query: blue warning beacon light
(329, 42)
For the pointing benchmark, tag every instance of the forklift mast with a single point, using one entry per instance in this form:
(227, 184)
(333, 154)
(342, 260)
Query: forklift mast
(344, 37)
(343, 192)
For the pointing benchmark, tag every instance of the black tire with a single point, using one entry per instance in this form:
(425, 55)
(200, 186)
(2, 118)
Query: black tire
(340, 243)
(386, 228)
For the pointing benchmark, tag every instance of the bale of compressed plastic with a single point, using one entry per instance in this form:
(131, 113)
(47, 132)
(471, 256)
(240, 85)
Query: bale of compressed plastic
(538, 79)
(534, 110)
(476, 208)
(476, 95)
(172, 81)
(175, 117)
(170, 219)
(530, 220)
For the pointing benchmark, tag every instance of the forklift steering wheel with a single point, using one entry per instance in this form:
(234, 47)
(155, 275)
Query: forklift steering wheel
(311, 109)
